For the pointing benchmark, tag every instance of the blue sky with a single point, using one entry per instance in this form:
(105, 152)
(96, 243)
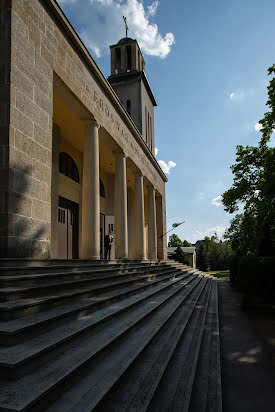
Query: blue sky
(207, 63)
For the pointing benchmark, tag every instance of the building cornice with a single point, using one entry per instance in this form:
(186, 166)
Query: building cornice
(81, 49)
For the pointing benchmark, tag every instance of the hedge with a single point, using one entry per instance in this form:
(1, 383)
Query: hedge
(254, 276)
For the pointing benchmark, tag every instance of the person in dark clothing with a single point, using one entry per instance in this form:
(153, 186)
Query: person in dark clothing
(108, 240)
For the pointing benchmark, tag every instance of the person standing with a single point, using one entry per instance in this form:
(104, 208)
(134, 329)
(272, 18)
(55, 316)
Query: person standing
(108, 240)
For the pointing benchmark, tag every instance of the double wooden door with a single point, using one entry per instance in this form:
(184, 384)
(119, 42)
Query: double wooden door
(68, 229)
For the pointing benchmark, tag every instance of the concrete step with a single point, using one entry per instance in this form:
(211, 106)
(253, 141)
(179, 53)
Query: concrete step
(90, 351)
(73, 273)
(50, 284)
(92, 265)
(99, 381)
(20, 359)
(135, 390)
(214, 398)
(30, 306)
(178, 378)
(199, 394)
(13, 331)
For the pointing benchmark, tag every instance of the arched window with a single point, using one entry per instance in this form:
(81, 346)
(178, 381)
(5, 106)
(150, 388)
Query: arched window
(101, 188)
(68, 167)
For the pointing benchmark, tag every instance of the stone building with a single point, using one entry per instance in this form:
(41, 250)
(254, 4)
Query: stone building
(77, 151)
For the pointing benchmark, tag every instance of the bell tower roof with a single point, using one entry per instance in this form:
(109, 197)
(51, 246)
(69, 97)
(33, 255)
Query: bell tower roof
(126, 57)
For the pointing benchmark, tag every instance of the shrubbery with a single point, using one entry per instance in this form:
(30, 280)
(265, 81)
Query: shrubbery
(254, 276)
(180, 256)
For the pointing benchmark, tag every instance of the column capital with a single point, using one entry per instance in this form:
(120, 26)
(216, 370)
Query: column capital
(119, 153)
(138, 174)
(91, 122)
(150, 187)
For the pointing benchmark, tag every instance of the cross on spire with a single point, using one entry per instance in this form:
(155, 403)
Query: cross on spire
(126, 26)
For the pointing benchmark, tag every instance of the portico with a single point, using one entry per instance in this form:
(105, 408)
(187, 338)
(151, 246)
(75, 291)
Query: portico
(129, 197)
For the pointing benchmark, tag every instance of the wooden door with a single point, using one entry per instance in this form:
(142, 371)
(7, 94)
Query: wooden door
(68, 229)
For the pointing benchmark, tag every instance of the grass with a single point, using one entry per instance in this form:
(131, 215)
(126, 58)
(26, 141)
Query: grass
(220, 274)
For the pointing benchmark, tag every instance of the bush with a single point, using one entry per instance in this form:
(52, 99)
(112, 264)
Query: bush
(254, 276)
(180, 256)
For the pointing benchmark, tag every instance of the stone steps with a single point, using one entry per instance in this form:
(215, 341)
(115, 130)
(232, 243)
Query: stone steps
(13, 331)
(29, 306)
(114, 350)
(11, 293)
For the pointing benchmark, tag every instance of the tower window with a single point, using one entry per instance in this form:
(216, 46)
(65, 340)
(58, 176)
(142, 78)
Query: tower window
(146, 128)
(129, 107)
(129, 57)
(118, 59)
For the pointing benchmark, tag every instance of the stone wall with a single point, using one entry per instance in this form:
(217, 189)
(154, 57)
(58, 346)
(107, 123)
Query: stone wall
(5, 137)
(31, 127)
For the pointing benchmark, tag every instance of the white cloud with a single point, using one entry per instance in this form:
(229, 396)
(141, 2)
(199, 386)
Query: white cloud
(166, 166)
(238, 95)
(210, 231)
(101, 24)
(66, 1)
(216, 201)
(258, 127)
(156, 151)
(153, 8)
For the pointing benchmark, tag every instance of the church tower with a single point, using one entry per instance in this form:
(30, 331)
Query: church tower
(129, 81)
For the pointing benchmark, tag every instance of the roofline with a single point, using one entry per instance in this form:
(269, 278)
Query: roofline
(82, 50)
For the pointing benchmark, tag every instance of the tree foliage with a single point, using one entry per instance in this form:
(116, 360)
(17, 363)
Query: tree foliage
(253, 231)
(175, 241)
(213, 254)
(180, 256)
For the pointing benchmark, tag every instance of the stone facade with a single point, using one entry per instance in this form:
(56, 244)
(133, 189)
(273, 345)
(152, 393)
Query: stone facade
(44, 59)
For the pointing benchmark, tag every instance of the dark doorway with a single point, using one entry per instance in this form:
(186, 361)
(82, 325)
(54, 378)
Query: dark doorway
(68, 229)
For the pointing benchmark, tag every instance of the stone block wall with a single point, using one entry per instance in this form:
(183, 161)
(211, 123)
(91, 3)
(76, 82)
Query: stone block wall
(30, 145)
(5, 56)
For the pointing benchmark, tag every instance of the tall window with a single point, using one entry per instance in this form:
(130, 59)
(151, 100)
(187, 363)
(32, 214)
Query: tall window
(146, 128)
(129, 57)
(128, 104)
(68, 167)
(118, 59)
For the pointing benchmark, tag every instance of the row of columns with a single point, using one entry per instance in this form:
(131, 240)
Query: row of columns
(91, 205)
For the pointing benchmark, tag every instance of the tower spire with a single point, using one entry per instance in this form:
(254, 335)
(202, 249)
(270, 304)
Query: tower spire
(126, 26)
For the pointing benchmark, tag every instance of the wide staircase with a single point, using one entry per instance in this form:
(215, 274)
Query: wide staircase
(108, 336)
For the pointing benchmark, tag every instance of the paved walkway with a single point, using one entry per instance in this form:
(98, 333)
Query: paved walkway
(247, 349)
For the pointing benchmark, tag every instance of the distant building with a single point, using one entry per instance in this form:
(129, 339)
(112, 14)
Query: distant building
(198, 242)
(189, 251)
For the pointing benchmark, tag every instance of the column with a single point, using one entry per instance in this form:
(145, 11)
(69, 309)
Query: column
(152, 224)
(139, 217)
(121, 230)
(90, 194)
(161, 237)
(130, 222)
(54, 191)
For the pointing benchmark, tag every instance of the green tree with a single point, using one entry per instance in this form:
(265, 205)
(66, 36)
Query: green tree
(203, 257)
(213, 254)
(254, 188)
(180, 256)
(174, 241)
(185, 243)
